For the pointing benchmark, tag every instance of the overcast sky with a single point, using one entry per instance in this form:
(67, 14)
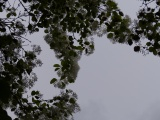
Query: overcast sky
(114, 83)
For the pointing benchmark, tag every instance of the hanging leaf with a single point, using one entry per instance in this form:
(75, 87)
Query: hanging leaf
(137, 48)
(53, 80)
(56, 65)
(110, 35)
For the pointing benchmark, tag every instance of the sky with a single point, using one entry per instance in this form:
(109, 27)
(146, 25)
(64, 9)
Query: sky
(114, 83)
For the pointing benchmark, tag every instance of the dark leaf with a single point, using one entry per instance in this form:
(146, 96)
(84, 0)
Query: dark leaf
(137, 48)
(53, 80)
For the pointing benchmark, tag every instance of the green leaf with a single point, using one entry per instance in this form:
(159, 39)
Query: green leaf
(72, 100)
(71, 80)
(16, 119)
(20, 90)
(1, 10)
(13, 109)
(70, 38)
(84, 35)
(136, 37)
(37, 97)
(151, 49)
(29, 70)
(148, 43)
(25, 100)
(121, 13)
(29, 27)
(57, 68)
(3, 29)
(155, 52)
(36, 29)
(137, 48)
(33, 100)
(8, 15)
(130, 42)
(44, 105)
(53, 80)
(72, 53)
(20, 82)
(34, 19)
(25, 1)
(33, 93)
(14, 14)
(46, 31)
(80, 16)
(112, 4)
(56, 65)
(91, 46)
(63, 77)
(86, 43)
(63, 85)
(110, 35)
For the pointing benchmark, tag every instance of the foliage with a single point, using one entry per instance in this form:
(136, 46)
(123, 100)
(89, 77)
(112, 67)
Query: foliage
(68, 26)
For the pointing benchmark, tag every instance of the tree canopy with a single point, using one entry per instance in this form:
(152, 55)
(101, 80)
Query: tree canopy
(69, 27)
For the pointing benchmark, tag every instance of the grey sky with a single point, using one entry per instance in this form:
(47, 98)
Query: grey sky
(114, 83)
(123, 85)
